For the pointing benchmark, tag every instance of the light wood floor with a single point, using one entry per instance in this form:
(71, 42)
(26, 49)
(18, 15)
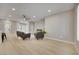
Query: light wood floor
(14, 46)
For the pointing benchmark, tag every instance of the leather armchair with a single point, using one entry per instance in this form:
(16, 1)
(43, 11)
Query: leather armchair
(39, 35)
(23, 35)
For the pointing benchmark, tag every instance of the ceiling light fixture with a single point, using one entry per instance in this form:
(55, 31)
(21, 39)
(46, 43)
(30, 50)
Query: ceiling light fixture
(13, 9)
(34, 16)
(49, 10)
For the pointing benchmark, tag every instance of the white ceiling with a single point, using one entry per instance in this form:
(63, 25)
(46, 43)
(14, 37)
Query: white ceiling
(40, 10)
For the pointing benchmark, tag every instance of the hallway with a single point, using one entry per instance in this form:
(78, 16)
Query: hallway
(14, 46)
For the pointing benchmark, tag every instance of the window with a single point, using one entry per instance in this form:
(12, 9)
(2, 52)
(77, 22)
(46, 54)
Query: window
(23, 27)
(7, 26)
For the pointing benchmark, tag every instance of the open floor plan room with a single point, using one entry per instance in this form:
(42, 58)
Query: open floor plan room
(39, 29)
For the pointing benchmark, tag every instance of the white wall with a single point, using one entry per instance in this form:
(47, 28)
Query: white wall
(5, 26)
(76, 28)
(1, 26)
(75, 24)
(60, 26)
(40, 24)
(31, 27)
(13, 26)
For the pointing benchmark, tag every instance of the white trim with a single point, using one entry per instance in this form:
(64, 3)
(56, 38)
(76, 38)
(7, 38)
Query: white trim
(73, 43)
(76, 48)
(60, 40)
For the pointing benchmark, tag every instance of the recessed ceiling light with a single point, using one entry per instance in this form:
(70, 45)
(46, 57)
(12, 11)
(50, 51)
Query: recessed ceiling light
(34, 16)
(13, 9)
(49, 10)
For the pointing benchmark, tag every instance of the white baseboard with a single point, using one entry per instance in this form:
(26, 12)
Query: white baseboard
(73, 43)
(60, 40)
(77, 50)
